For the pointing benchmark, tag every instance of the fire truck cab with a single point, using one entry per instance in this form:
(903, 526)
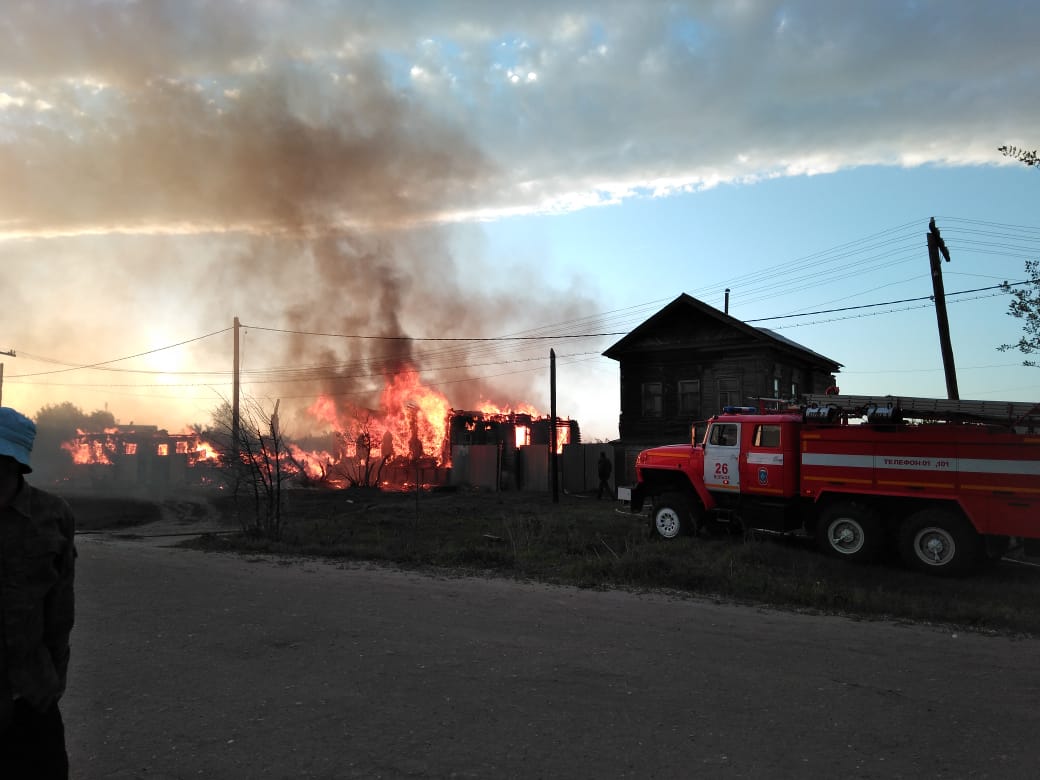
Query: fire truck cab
(948, 485)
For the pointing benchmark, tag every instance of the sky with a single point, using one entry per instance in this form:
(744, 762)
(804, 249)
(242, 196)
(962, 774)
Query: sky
(448, 190)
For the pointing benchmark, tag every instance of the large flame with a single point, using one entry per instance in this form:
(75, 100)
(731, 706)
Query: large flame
(315, 465)
(417, 416)
(411, 421)
(407, 433)
(92, 448)
(487, 407)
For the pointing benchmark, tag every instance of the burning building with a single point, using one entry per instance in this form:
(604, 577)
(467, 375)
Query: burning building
(141, 455)
(498, 449)
(414, 439)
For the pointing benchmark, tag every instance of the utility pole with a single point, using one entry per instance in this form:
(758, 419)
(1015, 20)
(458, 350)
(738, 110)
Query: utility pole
(936, 246)
(9, 353)
(553, 433)
(234, 395)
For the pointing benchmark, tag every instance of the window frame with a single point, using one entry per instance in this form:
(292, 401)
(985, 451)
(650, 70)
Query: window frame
(689, 397)
(654, 393)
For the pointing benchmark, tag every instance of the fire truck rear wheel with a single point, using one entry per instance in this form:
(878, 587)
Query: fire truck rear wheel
(850, 530)
(939, 541)
(671, 516)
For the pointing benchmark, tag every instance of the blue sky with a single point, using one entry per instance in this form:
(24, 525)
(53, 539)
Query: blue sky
(396, 173)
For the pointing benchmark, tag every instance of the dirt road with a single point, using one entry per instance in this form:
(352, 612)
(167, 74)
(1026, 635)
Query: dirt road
(188, 664)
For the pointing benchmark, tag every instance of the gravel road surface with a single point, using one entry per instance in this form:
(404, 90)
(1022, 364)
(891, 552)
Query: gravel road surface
(187, 664)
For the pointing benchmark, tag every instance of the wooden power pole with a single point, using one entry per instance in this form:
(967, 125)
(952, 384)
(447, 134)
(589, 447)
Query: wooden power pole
(554, 460)
(936, 246)
(9, 353)
(235, 387)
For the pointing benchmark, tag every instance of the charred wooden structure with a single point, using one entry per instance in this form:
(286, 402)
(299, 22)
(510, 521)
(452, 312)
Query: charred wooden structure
(505, 451)
(514, 429)
(141, 455)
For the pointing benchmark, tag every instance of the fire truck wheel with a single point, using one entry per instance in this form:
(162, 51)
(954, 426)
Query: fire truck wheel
(850, 530)
(671, 516)
(938, 541)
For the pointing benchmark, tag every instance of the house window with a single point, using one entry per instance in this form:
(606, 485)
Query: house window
(652, 401)
(767, 436)
(729, 392)
(689, 396)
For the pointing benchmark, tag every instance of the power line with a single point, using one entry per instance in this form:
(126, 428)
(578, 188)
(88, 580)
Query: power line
(117, 360)
(888, 303)
(875, 314)
(880, 247)
(378, 367)
(432, 338)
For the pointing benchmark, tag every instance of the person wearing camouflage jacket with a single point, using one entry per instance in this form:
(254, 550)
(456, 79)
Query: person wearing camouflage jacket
(37, 568)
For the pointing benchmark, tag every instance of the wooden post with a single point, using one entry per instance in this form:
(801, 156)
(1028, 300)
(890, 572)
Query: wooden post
(235, 388)
(935, 246)
(9, 353)
(553, 433)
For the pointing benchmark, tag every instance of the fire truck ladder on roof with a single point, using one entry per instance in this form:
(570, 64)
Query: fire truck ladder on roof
(1011, 413)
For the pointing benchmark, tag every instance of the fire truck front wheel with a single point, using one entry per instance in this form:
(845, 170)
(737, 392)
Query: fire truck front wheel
(850, 530)
(939, 541)
(671, 516)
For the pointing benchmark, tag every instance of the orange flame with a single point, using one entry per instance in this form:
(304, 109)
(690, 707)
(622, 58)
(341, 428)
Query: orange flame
(412, 420)
(314, 464)
(487, 407)
(563, 434)
(88, 448)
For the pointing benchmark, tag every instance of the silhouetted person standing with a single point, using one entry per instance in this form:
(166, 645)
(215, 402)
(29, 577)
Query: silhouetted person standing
(37, 566)
(604, 468)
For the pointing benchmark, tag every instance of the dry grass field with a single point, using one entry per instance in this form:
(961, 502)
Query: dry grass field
(596, 544)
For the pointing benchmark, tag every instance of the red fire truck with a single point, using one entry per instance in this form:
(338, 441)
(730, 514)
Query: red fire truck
(950, 483)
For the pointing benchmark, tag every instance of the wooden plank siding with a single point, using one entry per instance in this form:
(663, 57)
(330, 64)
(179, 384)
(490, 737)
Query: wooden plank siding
(689, 360)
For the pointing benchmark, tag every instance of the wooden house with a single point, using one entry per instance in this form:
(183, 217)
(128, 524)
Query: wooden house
(690, 360)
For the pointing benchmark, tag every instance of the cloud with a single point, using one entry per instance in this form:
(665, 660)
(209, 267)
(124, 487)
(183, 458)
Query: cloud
(294, 160)
(263, 116)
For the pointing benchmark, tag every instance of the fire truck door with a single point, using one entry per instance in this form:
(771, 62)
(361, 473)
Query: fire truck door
(763, 467)
(721, 457)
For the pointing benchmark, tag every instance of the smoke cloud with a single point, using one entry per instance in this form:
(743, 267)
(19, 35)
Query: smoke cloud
(166, 169)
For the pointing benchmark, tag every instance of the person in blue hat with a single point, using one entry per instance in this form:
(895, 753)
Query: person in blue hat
(37, 568)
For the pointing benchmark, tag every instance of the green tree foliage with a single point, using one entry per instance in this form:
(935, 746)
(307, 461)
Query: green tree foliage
(1025, 305)
(1022, 155)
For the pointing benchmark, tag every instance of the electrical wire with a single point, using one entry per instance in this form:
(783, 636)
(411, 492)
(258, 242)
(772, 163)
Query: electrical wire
(880, 250)
(75, 367)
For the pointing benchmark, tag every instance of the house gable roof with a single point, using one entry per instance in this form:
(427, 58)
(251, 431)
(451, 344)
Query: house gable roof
(685, 305)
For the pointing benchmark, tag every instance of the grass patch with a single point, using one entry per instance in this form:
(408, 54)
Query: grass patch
(95, 512)
(587, 543)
